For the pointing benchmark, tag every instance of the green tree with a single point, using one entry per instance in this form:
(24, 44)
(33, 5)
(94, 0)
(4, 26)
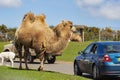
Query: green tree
(3, 28)
(118, 35)
(11, 33)
(107, 34)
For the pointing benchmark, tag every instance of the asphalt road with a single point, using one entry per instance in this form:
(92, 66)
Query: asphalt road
(58, 66)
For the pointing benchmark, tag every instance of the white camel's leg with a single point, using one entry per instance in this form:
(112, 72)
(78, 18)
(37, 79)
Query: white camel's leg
(12, 63)
(2, 61)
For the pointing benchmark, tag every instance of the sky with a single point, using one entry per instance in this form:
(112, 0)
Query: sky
(98, 13)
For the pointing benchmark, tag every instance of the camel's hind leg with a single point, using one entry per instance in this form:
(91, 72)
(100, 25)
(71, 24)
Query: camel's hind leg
(2, 61)
(12, 62)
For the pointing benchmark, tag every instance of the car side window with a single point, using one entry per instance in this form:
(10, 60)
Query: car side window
(94, 49)
(88, 49)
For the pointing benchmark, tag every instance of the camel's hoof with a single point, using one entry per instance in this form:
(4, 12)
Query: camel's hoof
(20, 68)
(40, 69)
(27, 69)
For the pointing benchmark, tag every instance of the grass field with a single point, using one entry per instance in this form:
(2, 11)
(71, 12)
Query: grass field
(71, 51)
(2, 44)
(7, 73)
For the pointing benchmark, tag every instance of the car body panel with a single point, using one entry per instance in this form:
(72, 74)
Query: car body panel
(93, 55)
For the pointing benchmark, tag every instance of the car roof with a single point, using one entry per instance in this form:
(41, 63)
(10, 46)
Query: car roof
(107, 42)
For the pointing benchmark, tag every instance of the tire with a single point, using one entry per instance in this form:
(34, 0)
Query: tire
(6, 50)
(51, 60)
(96, 73)
(77, 70)
(30, 58)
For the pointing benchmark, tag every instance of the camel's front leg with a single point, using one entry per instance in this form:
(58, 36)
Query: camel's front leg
(41, 57)
(20, 55)
(41, 65)
(19, 49)
(2, 60)
(25, 56)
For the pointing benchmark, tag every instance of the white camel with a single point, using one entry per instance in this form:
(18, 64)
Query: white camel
(7, 55)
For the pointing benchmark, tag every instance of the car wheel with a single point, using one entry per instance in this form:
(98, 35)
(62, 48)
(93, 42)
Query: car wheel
(96, 73)
(6, 50)
(51, 60)
(77, 70)
(30, 58)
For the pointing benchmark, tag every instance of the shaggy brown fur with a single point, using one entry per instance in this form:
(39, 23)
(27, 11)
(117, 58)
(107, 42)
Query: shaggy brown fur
(43, 39)
(58, 41)
(27, 21)
(20, 38)
(76, 37)
(52, 41)
(28, 29)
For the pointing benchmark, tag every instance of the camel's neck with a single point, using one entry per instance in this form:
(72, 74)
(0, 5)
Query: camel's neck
(57, 44)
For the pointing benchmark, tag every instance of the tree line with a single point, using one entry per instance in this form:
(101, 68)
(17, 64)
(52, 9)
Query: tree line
(6, 34)
(97, 34)
(90, 33)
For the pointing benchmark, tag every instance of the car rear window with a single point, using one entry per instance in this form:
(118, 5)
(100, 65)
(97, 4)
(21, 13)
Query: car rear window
(111, 48)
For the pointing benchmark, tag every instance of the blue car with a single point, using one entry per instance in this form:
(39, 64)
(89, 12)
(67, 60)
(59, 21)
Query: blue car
(99, 59)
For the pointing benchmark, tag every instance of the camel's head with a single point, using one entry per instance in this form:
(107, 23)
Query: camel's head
(41, 18)
(29, 17)
(64, 27)
(68, 25)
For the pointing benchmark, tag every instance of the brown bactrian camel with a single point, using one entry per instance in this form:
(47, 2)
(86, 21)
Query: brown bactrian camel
(43, 39)
(24, 35)
(20, 38)
(76, 37)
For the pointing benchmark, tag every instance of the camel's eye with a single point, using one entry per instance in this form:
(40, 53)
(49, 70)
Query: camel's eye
(71, 26)
(65, 25)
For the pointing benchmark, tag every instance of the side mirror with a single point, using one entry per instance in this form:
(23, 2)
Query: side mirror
(81, 52)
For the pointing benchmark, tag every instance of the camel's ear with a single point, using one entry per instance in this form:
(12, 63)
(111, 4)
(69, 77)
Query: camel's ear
(24, 17)
(43, 17)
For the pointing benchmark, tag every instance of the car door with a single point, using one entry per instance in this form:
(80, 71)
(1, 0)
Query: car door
(91, 58)
(85, 60)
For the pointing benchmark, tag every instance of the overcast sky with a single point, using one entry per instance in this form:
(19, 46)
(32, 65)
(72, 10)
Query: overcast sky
(99, 13)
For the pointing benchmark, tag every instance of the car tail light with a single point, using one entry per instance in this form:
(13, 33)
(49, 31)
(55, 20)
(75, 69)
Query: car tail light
(106, 58)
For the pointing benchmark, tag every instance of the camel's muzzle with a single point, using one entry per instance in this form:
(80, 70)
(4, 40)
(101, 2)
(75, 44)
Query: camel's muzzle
(73, 29)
